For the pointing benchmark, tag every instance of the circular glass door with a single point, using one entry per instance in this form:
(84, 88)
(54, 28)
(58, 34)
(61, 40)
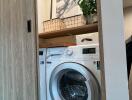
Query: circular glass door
(72, 81)
(72, 86)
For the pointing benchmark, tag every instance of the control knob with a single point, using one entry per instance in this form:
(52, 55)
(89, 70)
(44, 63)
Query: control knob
(69, 52)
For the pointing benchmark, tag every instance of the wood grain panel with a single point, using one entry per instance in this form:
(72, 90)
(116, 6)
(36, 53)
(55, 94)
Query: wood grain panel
(18, 77)
(112, 51)
(103, 87)
(57, 42)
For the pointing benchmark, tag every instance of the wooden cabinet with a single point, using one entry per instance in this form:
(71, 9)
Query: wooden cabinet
(18, 71)
(18, 50)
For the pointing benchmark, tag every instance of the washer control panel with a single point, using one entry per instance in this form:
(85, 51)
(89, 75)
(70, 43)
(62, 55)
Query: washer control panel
(83, 52)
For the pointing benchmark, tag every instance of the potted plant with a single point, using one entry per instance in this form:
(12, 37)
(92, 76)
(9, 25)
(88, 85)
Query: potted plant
(89, 9)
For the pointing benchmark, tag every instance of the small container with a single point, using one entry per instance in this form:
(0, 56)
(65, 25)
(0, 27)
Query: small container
(74, 21)
(53, 25)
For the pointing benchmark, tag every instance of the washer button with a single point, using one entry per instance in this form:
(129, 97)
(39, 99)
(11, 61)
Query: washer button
(69, 52)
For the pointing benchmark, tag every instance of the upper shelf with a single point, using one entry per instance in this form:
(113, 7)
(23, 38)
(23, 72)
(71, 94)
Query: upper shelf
(70, 31)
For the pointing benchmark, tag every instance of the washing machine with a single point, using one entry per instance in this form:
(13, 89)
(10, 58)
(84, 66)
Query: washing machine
(42, 74)
(73, 73)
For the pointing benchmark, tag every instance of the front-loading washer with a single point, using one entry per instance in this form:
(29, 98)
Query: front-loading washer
(73, 73)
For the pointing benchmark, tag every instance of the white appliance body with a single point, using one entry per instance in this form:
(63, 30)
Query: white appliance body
(80, 64)
(85, 39)
(42, 75)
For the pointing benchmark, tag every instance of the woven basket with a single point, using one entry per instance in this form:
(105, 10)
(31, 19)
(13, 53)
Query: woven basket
(69, 22)
(53, 25)
(74, 21)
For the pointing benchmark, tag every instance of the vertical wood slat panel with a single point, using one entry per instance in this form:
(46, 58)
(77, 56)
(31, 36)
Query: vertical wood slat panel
(114, 72)
(18, 77)
(103, 87)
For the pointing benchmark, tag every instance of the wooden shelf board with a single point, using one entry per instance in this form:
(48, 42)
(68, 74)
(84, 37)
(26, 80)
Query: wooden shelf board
(57, 42)
(55, 45)
(70, 31)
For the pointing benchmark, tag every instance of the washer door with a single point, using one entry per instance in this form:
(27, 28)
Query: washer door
(73, 81)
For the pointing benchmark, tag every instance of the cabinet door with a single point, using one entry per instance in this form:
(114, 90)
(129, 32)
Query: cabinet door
(18, 52)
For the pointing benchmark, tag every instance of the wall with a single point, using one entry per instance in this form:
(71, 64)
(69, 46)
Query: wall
(128, 22)
(43, 10)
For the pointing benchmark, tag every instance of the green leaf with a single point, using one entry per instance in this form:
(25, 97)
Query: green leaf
(88, 7)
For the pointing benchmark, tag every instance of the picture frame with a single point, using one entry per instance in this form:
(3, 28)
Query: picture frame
(65, 8)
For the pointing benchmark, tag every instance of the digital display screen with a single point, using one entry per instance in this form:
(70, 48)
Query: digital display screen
(89, 50)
